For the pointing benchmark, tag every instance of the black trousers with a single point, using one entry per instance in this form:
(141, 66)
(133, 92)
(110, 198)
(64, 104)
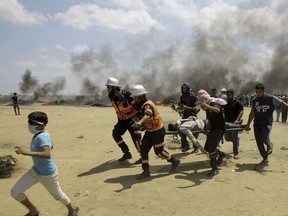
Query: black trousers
(213, 138)
(119, 130)
(284, 115)
(154, 139)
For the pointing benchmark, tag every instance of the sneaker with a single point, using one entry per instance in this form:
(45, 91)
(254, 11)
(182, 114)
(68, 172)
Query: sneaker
(175, 163)
(270, 149)
(220, 158)
(262, 164)
(75, 212)
(139, 161)
(145, 174)
(236, 156)
(126, 156)
(213, 172)
(185, 148)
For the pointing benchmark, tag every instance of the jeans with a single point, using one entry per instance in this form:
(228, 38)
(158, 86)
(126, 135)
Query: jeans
(262, 136)
(232, 136)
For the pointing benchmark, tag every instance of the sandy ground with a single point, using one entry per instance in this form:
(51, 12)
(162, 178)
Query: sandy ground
(90, 175)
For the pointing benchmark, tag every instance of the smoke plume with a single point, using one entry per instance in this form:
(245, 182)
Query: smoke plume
(277, 77)
(228, 47)
(29, 83)
(50, 88)
(93, 69)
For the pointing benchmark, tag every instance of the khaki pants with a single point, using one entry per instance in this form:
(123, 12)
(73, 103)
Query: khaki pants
(31, 178)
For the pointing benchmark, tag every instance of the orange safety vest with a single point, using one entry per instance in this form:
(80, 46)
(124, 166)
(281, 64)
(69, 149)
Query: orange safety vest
(124, 112)
(155, 122)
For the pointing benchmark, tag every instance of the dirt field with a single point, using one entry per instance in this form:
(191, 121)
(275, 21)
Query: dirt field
(90, 175)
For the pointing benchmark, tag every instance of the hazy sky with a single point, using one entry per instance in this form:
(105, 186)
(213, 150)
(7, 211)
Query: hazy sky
(43, 35)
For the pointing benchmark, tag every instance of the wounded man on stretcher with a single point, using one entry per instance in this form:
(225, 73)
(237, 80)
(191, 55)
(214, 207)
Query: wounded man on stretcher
(193, 125)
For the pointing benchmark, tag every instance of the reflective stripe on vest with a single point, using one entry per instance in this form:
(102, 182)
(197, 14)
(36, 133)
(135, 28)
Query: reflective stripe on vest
(122, 112)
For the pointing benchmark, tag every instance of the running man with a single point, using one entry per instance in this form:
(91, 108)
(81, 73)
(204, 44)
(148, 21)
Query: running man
(154, 134)
(125, 107)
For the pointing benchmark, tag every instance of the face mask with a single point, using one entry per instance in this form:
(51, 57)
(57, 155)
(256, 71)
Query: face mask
(32, 129)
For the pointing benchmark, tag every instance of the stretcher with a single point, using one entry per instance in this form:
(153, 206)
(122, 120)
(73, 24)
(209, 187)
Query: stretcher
(176, 133)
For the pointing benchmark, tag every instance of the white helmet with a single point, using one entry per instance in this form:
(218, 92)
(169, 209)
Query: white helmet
(111, 81)
(137, 90)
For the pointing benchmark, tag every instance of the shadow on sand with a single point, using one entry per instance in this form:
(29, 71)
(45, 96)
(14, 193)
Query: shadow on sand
(109, 165)
(195, 172)
(128, 181)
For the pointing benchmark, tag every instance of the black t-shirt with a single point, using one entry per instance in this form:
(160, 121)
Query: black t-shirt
(190, 101)
(232, 110)
(216, 120)
(15, 100)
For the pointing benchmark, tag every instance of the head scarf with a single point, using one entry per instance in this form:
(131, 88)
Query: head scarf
(204, 97)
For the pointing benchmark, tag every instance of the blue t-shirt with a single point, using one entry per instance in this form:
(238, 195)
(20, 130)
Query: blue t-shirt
(42, 166)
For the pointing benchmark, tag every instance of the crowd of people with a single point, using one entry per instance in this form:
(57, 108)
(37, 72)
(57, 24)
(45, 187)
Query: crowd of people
(138, 115)
(222, 112)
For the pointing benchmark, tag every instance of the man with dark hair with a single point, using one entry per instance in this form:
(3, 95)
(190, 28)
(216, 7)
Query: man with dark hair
(125, 107)
(150, 118)
(189, 127)
(233, 113)
(263, 105)
(188, 102)
(15, 103)
(213, 92)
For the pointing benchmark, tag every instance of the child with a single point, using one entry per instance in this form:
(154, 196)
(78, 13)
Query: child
(44, 169)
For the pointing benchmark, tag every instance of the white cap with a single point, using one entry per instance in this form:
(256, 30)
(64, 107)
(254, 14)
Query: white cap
(137, 90)
(223, 90)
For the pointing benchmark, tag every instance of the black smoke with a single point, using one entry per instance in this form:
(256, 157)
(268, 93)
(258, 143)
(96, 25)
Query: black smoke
(50, 88)
(28, 83)
(231, 50)
(276, 79)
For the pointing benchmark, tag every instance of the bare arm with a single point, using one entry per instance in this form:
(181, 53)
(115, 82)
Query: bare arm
(250, 118)
(284, 105)
(212, 108)
(240, 116)
(190, 108)
(46, 153)
(138, 124)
